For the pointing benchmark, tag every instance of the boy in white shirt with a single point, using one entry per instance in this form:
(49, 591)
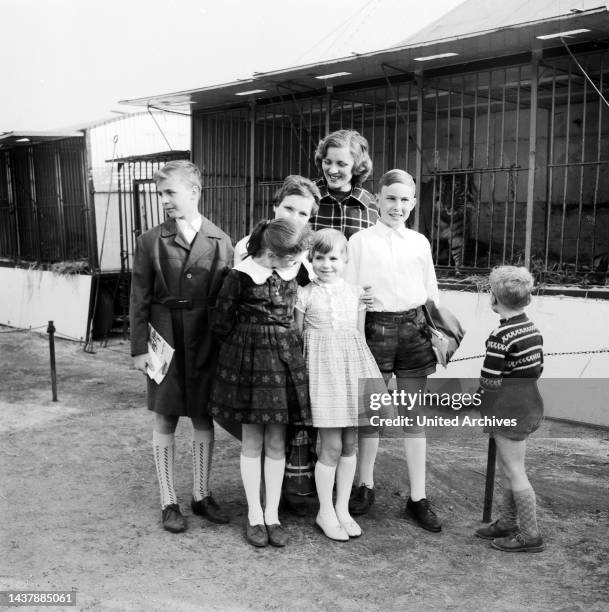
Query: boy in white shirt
(397, 263)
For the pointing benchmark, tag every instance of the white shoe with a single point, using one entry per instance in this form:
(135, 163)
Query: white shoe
(351, 527)
(332, 531)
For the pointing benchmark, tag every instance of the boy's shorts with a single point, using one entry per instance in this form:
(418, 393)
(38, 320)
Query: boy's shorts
(401, 344)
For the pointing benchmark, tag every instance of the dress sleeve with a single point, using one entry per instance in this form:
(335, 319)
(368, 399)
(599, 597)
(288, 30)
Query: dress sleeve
(302, 299)
(222, 315)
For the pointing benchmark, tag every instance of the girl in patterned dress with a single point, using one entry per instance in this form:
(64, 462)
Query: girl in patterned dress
(331, 316)
(261, 379)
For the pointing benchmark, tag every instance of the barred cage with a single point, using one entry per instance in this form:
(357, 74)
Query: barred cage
(44, 213)
(510, 160)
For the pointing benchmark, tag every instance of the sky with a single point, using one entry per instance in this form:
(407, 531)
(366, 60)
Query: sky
(68, 62)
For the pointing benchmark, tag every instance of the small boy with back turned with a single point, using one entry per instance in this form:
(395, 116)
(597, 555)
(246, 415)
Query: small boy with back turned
(508, 383)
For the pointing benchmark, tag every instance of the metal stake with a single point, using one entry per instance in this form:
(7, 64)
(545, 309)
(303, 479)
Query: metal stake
(51, 332)
(490, 481)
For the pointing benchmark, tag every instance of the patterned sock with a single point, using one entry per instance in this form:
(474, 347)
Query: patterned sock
(324, 481)
(415, 449)
(274, 470)
(366, 456)
(345, 472)
(202, 450)
(508, 515)
(527, 513)
(251, 474)
(163, 446)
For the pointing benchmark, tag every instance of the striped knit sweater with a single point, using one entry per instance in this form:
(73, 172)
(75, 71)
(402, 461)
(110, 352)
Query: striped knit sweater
(513, 350)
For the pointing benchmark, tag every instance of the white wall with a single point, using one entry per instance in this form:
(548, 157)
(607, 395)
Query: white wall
(32, 298)
(567, 324)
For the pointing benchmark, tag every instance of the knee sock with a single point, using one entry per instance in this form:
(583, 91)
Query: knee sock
(163, 446)
(507, 516)
(345, 472)
(250, 474)
(527, 513)
(324, 481)
(415, 449)
(366, 456)
(202, 449)
(274, 470)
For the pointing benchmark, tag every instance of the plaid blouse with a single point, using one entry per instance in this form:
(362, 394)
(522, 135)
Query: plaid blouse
(356, 212)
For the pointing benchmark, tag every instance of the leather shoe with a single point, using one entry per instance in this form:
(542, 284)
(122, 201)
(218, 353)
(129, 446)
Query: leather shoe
(277, 535)
(422, 513)
(208, 508)
(494, 530)
(172, 519)
(256, 535)
(332, 531)
(361, 500)
(518, 543)
(293, 506)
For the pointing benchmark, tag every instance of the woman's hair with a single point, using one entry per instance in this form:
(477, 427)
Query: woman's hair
(325, 240)
(299, 186)
(357, 145)
(187, 172)
(280, 236)
(512, 285)
(396, 176)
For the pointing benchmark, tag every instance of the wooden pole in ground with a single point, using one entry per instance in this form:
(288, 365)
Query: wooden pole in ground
(51, 332)
(490, 481)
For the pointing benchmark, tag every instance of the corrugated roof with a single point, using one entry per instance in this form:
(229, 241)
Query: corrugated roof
(25, 138)
(474, 16)
(488, 45)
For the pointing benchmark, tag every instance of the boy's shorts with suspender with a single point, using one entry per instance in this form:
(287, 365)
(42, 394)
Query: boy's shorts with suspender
(401, 345)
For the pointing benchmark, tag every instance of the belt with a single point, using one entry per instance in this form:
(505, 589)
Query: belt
(178, 303)
(396, 316)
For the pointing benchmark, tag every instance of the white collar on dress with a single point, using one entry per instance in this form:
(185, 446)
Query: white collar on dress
(259, 274)
(385, 230)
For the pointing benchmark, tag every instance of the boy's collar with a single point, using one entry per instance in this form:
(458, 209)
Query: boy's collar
(401, 231)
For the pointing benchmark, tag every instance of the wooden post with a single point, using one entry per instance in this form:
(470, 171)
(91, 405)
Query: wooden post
(51, 332)
(490, 481)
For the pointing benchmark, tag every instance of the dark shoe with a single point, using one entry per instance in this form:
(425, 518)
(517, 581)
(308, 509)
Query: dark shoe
(518, 543)
(208, 508)
(361, 500)
(293, 506)
(277, 535)
(256, 535)
(422, 513)
(492, 531)
(172, 519)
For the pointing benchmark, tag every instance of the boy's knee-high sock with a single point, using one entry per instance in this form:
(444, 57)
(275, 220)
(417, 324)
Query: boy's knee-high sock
(345, 472)
(274, 470)
(527, 512)
(415, 449)
(202, 450)
(163, 446)
(324, 481)
(250, 474)
(366, 456)
(508, 516)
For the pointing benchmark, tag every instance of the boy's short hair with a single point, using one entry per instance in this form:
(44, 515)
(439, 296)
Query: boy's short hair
(512, 285)
(356, 143)
(324, 240)
(297, 185)
(396, 176)
(187, 171)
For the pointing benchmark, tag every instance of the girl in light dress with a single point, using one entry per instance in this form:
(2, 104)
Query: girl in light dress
(331, 317)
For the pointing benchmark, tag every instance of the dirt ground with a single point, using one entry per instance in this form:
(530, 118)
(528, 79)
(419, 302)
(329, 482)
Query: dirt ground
(81, 512)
